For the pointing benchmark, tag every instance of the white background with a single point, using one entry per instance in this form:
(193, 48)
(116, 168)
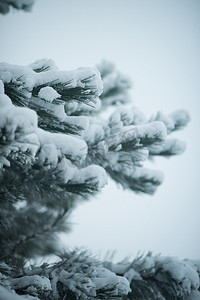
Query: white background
(157, 43)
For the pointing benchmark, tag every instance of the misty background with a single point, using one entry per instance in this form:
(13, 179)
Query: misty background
(156, 43)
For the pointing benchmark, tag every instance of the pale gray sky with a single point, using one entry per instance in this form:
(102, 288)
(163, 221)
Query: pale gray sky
(157, 43)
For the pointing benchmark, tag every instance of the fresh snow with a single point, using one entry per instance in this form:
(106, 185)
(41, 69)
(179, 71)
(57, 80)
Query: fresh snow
(45, 64)
(170, 147)
(20, 127)
(40, 282)
(17, 120)
(180, 271)
(30, 79)
(184, 274)
(128, 115)
(180, 117)
(1, 87)
(11, 295)
(47, 147)
(48, 93)
(108, 279)
(151, 130)
(177, 119)
(25, 75)
(96, 174)
(148, 174)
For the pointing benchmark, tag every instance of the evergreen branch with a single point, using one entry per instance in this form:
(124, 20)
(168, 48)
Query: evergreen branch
(42, 232)
(87, 187)
(51, 123)
(38, 182)
(42, 69)
(112, 92)
(140, 184)
(17, 94)
(86, 95)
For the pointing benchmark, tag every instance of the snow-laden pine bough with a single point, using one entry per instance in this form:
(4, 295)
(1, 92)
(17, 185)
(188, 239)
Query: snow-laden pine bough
(57, 149)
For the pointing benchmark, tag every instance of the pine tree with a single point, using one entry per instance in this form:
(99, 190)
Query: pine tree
(56, 150)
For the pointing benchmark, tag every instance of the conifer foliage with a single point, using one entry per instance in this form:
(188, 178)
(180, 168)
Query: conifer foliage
(57, 149)
(6, 5)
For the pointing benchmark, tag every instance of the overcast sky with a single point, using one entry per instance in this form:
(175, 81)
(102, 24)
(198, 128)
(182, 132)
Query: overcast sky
(157, 43)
